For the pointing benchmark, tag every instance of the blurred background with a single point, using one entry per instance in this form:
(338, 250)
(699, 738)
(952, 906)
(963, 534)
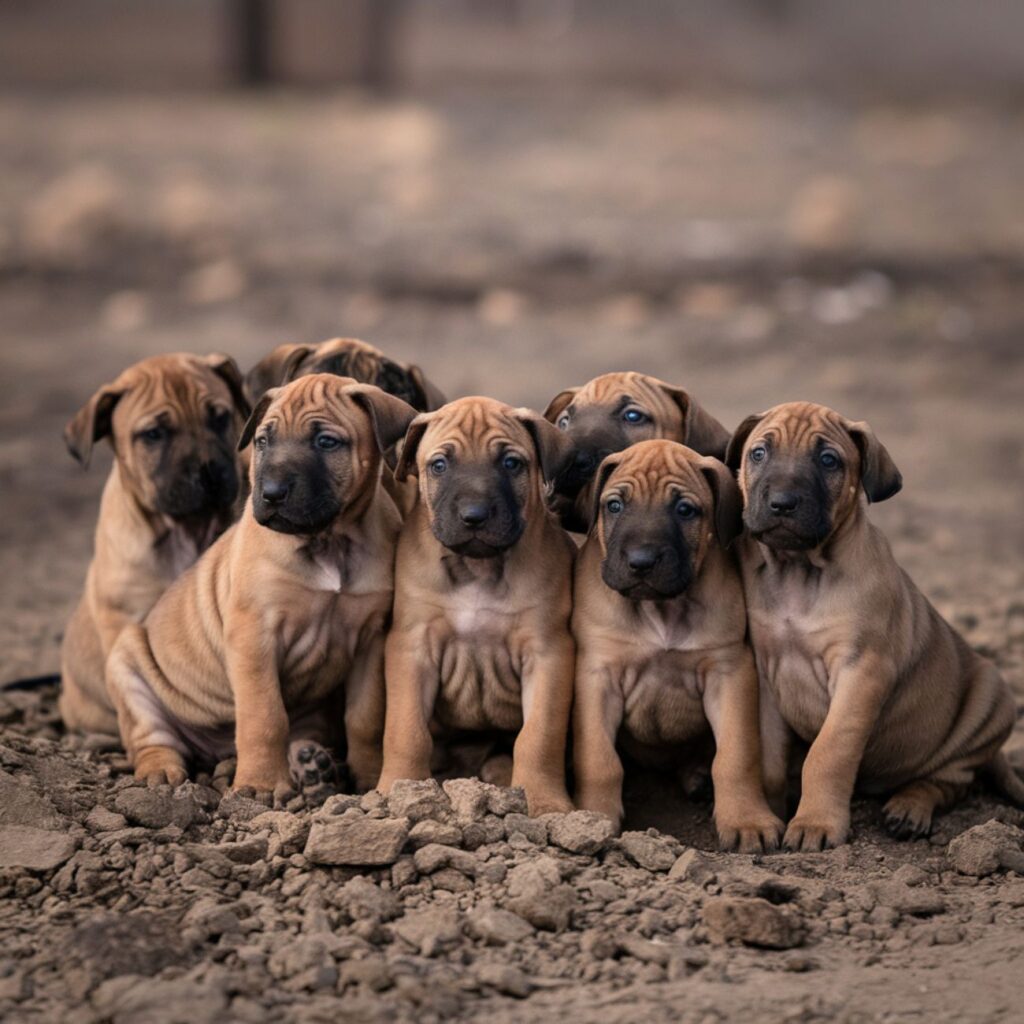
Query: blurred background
(757, 199)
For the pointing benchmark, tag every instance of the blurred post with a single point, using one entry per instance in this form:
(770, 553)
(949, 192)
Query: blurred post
(379, 70)
(251, 38)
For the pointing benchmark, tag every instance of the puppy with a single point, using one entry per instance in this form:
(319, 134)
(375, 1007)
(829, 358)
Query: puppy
(292, 602)
(611, 413)
(483, 592)
(660, 630)
(173, 422)
(346, 357)
(852, 657)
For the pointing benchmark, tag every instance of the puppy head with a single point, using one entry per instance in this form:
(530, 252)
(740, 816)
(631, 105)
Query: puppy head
(317, 449)
(801, 468)
(658, 508)
(173, 421)
(345, 357)
(481, 467)
(617, 410)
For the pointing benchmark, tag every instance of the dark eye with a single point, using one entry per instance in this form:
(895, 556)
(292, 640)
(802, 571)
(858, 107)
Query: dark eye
(154, 435)
(829, 459)
(563, 421)
(220, 420)
(438, 465)
(686, 509)
(327, 442)
(634, 416)
(512, 463)
(758, 453)
(260, 442)
(614, 506)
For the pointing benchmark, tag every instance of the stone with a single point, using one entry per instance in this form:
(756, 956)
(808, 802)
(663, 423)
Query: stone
(137, 1000)
(291, 829)
(505, 978)
(34, 848)
(430, 931)
(157, 807)
(534, 829)
(433, 857)
(497, 927)
(653, 852)
(426, 832)
(918, 902)
(238, 808)
(550, 910)
(534, 877)
(99, 819)
(468, 798)
(418, 801)
(357, 841)
(585, 832)
(362, 899)
(210, 918)
(21, 805)
(754, 922)
(692, 866)
(503, 800)
(985, 849)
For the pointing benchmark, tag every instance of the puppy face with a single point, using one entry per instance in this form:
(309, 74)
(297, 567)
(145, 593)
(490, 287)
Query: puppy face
(481, 468)
(617, 410)
(658, 507)
(345, 357)
(173, 422)
(801, 467)
(318, 443)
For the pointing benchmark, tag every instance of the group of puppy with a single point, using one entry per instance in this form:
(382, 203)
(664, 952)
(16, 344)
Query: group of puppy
(412, 580)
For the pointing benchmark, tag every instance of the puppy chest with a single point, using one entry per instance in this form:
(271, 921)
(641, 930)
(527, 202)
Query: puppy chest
(662, 701)
(480, 687)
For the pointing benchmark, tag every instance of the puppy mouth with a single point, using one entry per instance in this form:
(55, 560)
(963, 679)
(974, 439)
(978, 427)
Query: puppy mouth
(477, 548)
(787, 537)
(644, 590)
(280, 522)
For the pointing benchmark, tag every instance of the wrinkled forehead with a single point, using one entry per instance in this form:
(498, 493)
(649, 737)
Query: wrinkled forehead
(174, 388)
(658, 474)
(346, 349)
(311, 403)
(474, 429)
(801, 428)
(612, 389)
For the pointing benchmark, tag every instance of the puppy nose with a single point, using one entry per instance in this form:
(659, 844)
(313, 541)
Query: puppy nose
(274, 492)
(784, 503)
(584, 461)
(474, 514)
(642, 559)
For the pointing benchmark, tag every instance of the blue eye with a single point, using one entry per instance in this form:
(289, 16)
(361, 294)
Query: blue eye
(829, 459)
(758, 453)
(686, 510)
(634, 416)
(438, 465)
(563, 422)
(512, 463)
(261, 441)
(614, 506)
(327, 442)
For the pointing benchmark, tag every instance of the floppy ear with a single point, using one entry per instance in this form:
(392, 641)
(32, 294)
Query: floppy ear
(609, 464)
(552, 445)
(389, 415)
(878, 473)
(557, 404)
(728, 500)
(227, 369)
(734, 451)
(430, 395)
(276, 369)
(256, 417)
(411, 445)
(92, 422)
(701, 431)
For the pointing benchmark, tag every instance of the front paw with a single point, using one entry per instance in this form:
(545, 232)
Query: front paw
(756, 832)
(812, 831)
(548, 802)
(312, 768)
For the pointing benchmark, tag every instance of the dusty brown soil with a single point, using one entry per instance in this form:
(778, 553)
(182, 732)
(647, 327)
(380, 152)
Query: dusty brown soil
(754, 252)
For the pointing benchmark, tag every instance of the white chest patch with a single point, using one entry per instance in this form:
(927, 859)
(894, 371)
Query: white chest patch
(328, 574)
(665, 626)
(474, 609)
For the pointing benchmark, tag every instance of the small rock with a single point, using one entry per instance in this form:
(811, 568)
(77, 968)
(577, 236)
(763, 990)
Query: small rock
(585, 832)
(156, 808)
(236, 807)
(468, 798)
(550, 910)
(361, 899)
(291, 830)
(372, 972)
(211, 918)
(692, 866)
(357, 841)
(754, 922)
(533, 829)
(534, 877)
(450, 880)
(425, 832)
(653, 852)
(99, 819)
(430, 931)
(919, 902)
(645, 950)
(434, 857)
(418, 801)
(34, 848)
(497, 927)
(985, 849)
(508, 980)
(338, 803)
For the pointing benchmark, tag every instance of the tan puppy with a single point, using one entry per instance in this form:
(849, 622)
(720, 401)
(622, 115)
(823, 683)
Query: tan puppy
(851, 655)
(346, 357)
(173, 422)
(483, 592)
(611, 413)
(290, 603)
(660, 631)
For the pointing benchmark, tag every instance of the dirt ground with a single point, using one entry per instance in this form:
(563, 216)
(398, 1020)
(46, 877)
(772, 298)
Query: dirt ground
(753, 251)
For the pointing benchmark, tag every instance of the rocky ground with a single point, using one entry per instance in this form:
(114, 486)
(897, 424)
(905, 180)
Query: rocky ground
(751, 250)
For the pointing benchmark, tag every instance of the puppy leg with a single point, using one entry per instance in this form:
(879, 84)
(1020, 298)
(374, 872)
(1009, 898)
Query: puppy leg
(154, 744)
(364, 713)
(538, 757)
(596, 717)
(830, 769)
(411, 682)
(776, 743)
(743, 818)
(261, 721)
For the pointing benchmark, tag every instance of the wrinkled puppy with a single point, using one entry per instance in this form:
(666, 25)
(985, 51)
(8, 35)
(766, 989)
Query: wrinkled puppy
(611, 413)
(173, 422)
(291, 603)
(483, 592)
(852, 657)
(660, 630)
(346, 357)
